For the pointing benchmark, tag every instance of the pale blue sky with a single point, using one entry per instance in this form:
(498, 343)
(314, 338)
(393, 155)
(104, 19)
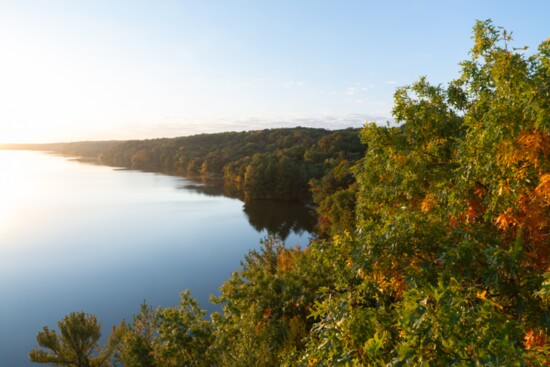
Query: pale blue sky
(120, 69)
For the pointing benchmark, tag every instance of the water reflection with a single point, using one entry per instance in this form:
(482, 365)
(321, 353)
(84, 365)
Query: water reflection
(208, 188)
(279, 217)
(276, 217)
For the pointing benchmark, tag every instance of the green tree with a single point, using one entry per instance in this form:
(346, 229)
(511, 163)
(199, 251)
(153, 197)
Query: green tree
(172, 336)
(135, 347)
(76, 344)
(448, 262)
(184, 336)
(266, 306)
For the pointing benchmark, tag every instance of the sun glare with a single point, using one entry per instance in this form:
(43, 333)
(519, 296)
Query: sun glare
(20, 187)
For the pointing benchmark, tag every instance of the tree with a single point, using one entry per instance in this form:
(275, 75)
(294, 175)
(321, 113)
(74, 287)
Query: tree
(266, 306)
(451, 253)
(184, 336)
(135, 347)
(76, 344)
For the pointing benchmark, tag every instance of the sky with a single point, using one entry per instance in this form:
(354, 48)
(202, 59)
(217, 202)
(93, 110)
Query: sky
(75, 70)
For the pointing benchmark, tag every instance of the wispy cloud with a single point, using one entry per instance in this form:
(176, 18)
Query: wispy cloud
(391, 82)
(333, 122)
(184, 128)
(351, 91)
(358, 88)
(293, 83)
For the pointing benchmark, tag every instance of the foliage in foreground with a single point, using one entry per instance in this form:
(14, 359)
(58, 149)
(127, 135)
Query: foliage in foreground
(448, 264)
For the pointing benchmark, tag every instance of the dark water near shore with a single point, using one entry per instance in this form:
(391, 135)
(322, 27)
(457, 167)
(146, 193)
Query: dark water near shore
(82, 237)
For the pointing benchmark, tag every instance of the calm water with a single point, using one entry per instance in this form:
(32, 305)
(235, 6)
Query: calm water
(80, 237)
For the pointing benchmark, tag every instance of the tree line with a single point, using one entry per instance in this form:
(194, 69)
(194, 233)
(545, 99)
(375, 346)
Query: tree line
(445, 263)
(301, 164)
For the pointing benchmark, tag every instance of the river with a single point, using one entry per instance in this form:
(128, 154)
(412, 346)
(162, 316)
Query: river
(84, 237)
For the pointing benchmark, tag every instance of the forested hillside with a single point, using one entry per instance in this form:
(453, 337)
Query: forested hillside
(445, 261)
(303, 164)
(265, 164)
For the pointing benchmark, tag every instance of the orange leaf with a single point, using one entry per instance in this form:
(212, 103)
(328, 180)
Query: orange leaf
(506, 220)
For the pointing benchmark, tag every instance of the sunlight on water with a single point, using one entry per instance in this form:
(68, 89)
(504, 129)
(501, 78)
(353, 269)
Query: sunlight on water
(32, 190)
(20, 187)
